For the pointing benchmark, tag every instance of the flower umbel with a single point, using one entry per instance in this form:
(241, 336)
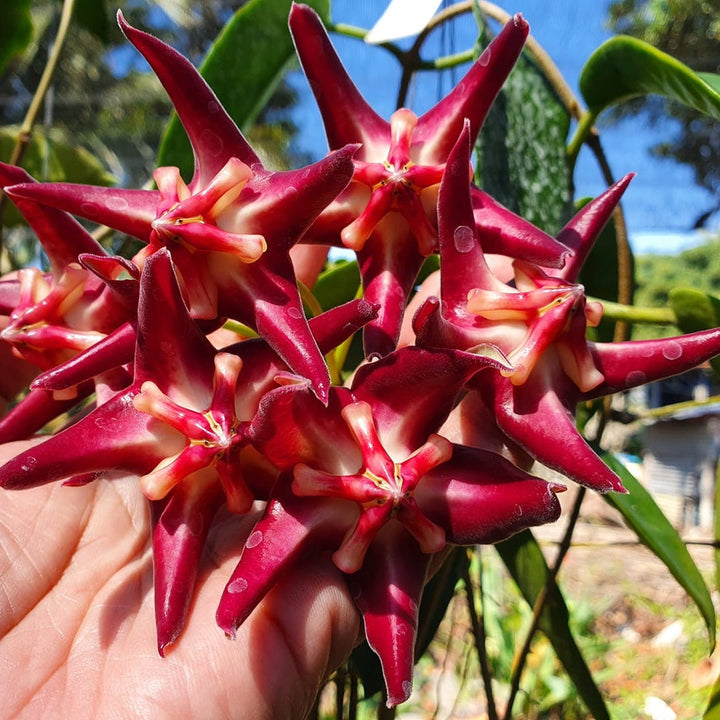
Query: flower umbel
(373, 461)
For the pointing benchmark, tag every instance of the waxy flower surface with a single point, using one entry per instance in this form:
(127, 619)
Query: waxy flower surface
(375, 465)
(539, 322)
(388, 212)
(230, 229)
(369, 479)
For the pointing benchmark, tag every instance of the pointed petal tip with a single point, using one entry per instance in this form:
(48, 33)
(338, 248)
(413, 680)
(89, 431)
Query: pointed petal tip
(122, 22)
(322, 392)
(614, 485)
(19, 190)
(520, 22)
(398, 698)
(226, 622)
(297, 10)
(166, 639)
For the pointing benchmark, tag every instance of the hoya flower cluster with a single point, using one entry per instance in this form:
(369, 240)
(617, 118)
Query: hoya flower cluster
(428, 444)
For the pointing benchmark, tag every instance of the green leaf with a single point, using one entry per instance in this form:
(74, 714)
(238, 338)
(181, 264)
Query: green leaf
(93, 16)
(243, 67)
(624, 67)
(52, 157)
(522, 159)
(711, 79)
(16, 30)
(654, 530)
(338, 284)
(526, 563)
(695, 310)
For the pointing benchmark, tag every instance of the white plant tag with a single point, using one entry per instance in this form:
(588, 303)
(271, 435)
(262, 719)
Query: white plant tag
(402, 18)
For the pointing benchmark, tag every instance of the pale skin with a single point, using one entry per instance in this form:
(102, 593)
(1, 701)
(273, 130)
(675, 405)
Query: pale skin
(77, 628)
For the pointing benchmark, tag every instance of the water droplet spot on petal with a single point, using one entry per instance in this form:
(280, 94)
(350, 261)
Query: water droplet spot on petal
(646, 350)
(672, 350)
(407, 687)
(294, 312)
(401, 629)
(290, 192)
(238, 585)
(484, 59)
(210, 143)
(254, 540)
(635, 377)
(117, 203)
(29, 464)
(463, 239)
(88, 208)
(213, 107)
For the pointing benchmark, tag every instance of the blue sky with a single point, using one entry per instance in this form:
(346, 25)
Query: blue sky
(661, 203)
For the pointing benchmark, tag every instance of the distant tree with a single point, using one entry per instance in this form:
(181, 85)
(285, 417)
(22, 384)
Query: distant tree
(690, 31)
(697, 268)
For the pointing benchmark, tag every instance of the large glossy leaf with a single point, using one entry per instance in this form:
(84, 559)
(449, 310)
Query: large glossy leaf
(15, 30)
(522, 159)
(243, 67)
(52, 157)
(624, 67)
(526, 563)
(654, 530)
(695, 310)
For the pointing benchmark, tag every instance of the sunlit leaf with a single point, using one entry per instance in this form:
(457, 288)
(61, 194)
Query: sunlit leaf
(654, 530)
(15, 30)
(524, 559)
(624, 67)
(243, 67)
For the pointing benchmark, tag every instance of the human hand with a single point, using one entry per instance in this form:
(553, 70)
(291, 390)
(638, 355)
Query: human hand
(77, 627)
